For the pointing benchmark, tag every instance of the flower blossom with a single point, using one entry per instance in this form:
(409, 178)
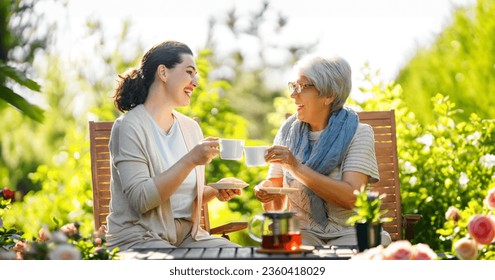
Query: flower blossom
(466, 249)
(482, 229)
(413, 180)
(409, 168)
(453, 214)
(426, 140)
(487, 161)
(44, 235)
(490, 199)
(473, 138)
(70, 230)
(423, 252)
(65, 252)
(7, 194)
(398, 250)
(375, 253)
(463, 179)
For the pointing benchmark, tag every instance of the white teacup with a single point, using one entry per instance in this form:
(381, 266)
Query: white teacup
(231, 149)
(255, 155)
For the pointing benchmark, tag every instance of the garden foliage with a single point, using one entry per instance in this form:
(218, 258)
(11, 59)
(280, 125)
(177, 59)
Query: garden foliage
(444, 164)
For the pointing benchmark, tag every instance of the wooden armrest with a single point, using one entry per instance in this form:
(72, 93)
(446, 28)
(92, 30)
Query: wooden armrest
(408, 221)
(228, 228)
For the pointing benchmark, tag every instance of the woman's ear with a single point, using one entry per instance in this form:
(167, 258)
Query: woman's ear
(329, 100)
(161, 72)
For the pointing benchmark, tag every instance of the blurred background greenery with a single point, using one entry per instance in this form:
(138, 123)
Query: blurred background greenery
(444, 93)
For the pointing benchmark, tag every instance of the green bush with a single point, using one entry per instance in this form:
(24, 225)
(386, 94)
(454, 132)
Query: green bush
(441, 165)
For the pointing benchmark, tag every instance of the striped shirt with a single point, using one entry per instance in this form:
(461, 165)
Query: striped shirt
(360, 157)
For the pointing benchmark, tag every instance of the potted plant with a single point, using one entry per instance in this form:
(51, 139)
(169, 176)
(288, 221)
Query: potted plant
(368, 219)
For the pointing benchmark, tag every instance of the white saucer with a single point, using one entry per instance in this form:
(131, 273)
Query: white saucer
(275, 190)
(224, 186)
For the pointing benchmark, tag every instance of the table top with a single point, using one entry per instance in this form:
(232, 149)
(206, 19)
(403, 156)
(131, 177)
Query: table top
(241, 253)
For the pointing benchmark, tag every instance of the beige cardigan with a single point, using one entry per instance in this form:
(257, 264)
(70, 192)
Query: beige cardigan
(137, 214)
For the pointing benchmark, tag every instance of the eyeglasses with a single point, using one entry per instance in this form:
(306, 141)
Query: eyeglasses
(297, 87)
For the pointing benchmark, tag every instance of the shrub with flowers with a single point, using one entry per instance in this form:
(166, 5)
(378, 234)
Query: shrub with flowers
(443, 163)
(61, 243)
(472, 230)
(398, 250)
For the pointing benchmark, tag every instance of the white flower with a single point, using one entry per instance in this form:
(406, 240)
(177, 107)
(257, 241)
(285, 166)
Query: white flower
(413, 180)
(473, 138)
(59, 237)
(409, 168)
(426, 140)
(463, 179)
(487, 161)
(64, 252)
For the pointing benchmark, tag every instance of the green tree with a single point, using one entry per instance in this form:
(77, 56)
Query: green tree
(23, 33)
(255, 72)
(460, 64)
(20, 38)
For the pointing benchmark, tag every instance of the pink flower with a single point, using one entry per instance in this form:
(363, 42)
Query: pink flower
(65, 252)
(100, 233)
(423, 252)
(482, 229)
(452, 214)
(466, 249)
(44, 235)
(398, 250)
(69, 230)
(375, 253)
(490, 199)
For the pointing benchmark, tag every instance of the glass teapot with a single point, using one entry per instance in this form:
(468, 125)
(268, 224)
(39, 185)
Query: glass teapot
(279, 230)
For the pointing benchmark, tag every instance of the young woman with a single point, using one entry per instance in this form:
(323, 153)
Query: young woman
(158, 157)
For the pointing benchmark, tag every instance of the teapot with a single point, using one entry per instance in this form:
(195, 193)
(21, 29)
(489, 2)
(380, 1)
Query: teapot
(279, 230)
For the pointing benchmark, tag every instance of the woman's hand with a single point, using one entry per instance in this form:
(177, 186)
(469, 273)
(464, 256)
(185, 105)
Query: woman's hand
(227, 194)
(262, 195)
(205, 151)
(281, 155)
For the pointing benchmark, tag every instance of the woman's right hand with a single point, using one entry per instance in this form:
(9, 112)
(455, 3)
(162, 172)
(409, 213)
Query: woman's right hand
(205, 151)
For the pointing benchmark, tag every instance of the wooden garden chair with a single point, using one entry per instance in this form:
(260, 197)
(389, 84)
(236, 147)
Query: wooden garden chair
(383, 123)
(99, 135)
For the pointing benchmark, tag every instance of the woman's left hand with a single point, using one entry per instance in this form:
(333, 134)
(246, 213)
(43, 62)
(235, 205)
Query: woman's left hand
(227, 194)
(282, 155)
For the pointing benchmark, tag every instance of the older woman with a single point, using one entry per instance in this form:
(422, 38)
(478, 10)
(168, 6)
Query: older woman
(323, 151)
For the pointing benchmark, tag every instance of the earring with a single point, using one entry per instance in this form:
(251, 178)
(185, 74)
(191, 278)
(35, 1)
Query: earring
(327, 103)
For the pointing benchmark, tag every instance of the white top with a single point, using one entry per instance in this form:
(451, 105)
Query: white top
(172, 147)
(360, 157)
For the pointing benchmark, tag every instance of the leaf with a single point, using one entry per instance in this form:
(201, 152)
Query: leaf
(31, 110)
(19, 77)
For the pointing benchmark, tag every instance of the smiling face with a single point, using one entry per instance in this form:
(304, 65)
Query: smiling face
(311, 108)
(181, 81)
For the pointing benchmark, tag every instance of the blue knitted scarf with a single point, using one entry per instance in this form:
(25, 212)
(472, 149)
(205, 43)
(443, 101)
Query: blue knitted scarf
(327, 153)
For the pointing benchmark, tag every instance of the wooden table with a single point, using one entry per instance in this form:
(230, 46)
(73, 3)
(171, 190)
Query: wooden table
(241, 253)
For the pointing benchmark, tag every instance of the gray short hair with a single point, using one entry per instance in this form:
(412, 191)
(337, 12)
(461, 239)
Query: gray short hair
(331, 77)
